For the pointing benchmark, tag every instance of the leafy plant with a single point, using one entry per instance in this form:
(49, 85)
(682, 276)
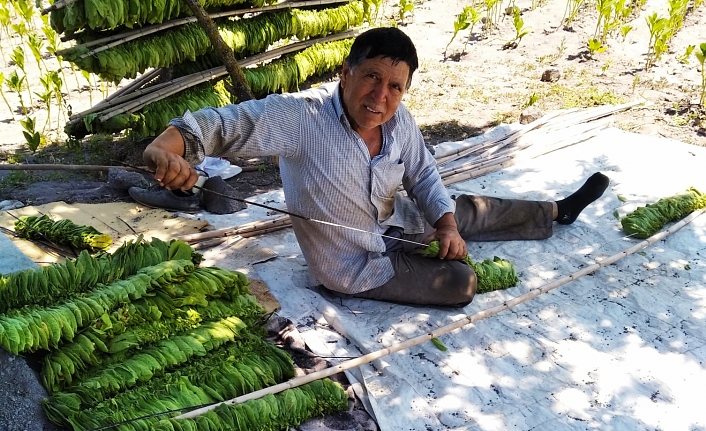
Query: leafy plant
(46, 97)
(520, 29)
(469, 17)
(2, 93)
(657, 44)
(595, 46)
(701, 56)
(18, 56)
(16, 84)
(572, 9)
(21, 29)
(405, 7)
(684, 58)
(36, 45)
(624, 30)
(32, 137)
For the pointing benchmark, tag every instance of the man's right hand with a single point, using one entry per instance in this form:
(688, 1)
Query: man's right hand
(164, 156)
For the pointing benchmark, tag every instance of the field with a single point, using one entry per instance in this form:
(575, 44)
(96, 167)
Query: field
(490, 72)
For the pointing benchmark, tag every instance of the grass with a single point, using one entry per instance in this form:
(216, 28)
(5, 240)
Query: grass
(17, 179)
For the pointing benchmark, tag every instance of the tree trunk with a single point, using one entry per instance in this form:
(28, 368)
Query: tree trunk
(240, 88)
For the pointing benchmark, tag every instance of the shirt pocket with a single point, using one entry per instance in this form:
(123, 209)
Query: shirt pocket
(386, 179)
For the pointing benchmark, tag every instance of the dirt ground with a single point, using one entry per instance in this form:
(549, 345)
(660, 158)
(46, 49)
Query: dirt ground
(477, 85)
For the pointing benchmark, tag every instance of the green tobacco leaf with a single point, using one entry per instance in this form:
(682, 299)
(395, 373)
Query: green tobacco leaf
(622, 198)
(439, 345)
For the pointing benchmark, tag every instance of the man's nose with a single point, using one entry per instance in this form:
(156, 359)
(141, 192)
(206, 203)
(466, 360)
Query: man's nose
(379, 92)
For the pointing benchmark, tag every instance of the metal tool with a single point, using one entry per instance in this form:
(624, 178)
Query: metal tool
(291, 214)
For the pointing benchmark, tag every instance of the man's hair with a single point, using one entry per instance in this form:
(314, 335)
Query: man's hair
(386, 42)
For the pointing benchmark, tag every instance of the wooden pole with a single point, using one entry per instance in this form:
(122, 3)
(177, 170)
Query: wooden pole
(239, 88)
(49, 167)
(447, 328)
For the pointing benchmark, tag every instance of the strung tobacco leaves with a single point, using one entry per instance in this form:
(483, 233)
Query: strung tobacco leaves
(54, 283)
(648, 220)
(283, 74)
(62, 232)
(491, 275)
(187, 42)
(109, 14)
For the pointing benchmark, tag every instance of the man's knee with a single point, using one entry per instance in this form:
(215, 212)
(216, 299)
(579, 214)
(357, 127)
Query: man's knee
(462, 285)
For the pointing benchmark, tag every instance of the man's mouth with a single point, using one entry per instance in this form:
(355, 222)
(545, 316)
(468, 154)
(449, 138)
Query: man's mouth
(371, 110)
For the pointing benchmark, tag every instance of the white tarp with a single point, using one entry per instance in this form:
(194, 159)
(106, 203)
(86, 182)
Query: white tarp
(621, 349)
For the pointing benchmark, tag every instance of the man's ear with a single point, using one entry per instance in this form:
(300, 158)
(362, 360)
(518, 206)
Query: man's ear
(344, 74)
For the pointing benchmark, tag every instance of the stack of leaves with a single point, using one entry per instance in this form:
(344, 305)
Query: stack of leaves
(491, 275)
(62, 232)
(144, 331)
(109, 14)
(52, 284)
(648, 220)
(187, 42)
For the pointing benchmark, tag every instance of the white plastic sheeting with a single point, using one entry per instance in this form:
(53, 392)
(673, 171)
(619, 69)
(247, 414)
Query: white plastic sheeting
(622, 349)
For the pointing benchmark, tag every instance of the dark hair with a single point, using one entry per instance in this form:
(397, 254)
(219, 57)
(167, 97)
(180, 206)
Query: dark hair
(386, 42)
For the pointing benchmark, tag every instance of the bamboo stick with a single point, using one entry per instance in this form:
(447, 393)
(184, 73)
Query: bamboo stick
(50, 167)
(280, 222)
(119, 39)
(528, 141)
(450, 327)
(217, 72)
(511, 160)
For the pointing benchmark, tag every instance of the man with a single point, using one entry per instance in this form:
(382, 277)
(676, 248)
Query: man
(344, 149)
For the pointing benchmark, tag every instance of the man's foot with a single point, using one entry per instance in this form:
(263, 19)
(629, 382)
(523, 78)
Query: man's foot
(571, 207)
(165, 199)
(216, 204)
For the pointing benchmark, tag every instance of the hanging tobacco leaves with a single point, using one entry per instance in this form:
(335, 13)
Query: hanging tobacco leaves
(283, 74)
(187, 42)
(109, 14)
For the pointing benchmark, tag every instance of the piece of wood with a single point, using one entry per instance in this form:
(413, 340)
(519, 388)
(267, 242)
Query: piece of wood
(239, 86)
(50, 167)
(256, 227)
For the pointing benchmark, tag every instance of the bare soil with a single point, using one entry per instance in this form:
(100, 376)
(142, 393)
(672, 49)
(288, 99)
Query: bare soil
(456, 93)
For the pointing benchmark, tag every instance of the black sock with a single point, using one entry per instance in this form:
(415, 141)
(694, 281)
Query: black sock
(571, 207)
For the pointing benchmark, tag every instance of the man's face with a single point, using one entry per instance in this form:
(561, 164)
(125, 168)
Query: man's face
(373, 91)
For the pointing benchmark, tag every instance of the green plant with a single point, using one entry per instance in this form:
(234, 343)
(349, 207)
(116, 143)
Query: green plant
(469, 17)
(624, 30)
(572, 9)
(18, 56)
(684, 58)
(405, 7)
(492, 12)
(87, 77)
(32, 137)
(46, 96)
(21, 29)
(520, 29)
(26, 11)
(551, 58)
(657, 43)
(36, 45)
(595, 46)
(606, 66)
(2, 93)
(16, 84)
(701, 56)
(532, 100)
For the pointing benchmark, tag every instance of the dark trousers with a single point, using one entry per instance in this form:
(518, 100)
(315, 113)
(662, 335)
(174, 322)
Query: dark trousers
(424, 281)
